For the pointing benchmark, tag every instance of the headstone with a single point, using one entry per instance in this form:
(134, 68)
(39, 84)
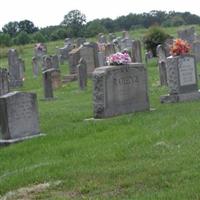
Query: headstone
(56, 78)
(35, 66)
(55, 61)
(182, 79)
(63, 53)
(163, 72)
(40, 50)
(15, 69)
(80, 41)
(74, 57)
(68, 41)
(18, 115)
(102, 59)
(48, 63)
(160, 51)
(196, 50)
(126, 44)
(109, 49)
(111, 37)
(102, 39)
(187, 34)
(47, 83)
(82, 74)
(4, 83)
(120, 89)
(87, 53)
(125, 34)
(136, 51)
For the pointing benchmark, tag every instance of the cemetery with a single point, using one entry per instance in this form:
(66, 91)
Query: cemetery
(113, 125)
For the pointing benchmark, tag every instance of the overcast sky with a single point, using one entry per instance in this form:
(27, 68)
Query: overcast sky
(51, 12)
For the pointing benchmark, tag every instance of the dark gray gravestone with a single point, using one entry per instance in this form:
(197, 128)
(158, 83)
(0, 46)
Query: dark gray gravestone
(187, 34)
(55, 61)
(18, 115)
(162, 72)
(181, 79)
(47, 84)
(136, 51)
(4, 83)
(120, 89)
(35, 65)
(102, 59)
(82, 74)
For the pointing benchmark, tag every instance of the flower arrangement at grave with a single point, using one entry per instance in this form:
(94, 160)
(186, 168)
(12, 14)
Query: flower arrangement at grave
(179, 47)
(118, 58)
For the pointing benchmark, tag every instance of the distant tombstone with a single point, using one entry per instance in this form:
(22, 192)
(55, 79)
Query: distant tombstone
(102, 59)
(74, 57)
(196, 50)
(35, 67)
(15, 69)
(18, 115)
(160, 51)
(187, 34)
(55, 61)
(48, 63)
(47, 84)
(109, 49)
(87, 53)
(95, 47)
(136, 51)
(80, 41)
(82, 74)
(120, 89)
(126, 43)
(102, 39)
(56, 78)
(4, 83)
(182, 79)
(125, 34)
(68, 41)
(63, 53)
(40, 50)
(167, 46)
(162, 72)
(21, 68)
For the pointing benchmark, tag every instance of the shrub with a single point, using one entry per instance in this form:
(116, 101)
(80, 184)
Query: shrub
(153, 38)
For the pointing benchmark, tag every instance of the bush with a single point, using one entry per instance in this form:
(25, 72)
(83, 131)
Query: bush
(153, 38)
(38, 37)
(23, 38)
(5, 40)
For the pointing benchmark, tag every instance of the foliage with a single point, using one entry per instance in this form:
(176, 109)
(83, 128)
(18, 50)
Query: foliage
(153, 38)
(22, 38)
(38, 37)
(11, 28)
(75, 20)
(27, 26)
(5, 40)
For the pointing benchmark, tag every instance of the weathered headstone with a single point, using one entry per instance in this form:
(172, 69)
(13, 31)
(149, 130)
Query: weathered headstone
(102, 39)
(196, 50)
(47, 84)
(40, 50)
(68, 41)
(120, 89)
(182, 79)
(102, 59)
(74, 57)
(35, 66)
(187, 34)
(125, 34)
(82, 74)
(162, 72)
(18, 115)
(160, 51)
(109, 49)
(4, 82)
(56, 78)
(136, 51)
(55, 61)
(80, 41)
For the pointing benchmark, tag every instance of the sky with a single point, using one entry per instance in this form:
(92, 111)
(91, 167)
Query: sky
(51, 12)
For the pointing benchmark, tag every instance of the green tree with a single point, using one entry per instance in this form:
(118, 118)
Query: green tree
(5, 39)
(12, 28)
(75, 20)
(27, 26)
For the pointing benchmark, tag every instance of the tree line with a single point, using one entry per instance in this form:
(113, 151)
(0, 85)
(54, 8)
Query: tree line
(74, 25)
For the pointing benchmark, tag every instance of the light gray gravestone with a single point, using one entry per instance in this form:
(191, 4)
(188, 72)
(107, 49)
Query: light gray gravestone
(18, 115)
(4, 82)
(120, 89)
(136, 51)
(35, 65)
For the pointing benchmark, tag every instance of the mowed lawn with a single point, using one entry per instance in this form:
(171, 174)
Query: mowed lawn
(146, 155)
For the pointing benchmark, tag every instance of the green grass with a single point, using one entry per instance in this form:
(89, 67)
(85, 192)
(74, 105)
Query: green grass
(147, 155)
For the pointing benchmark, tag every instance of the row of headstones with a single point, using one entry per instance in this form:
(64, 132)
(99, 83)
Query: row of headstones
(117, 90)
